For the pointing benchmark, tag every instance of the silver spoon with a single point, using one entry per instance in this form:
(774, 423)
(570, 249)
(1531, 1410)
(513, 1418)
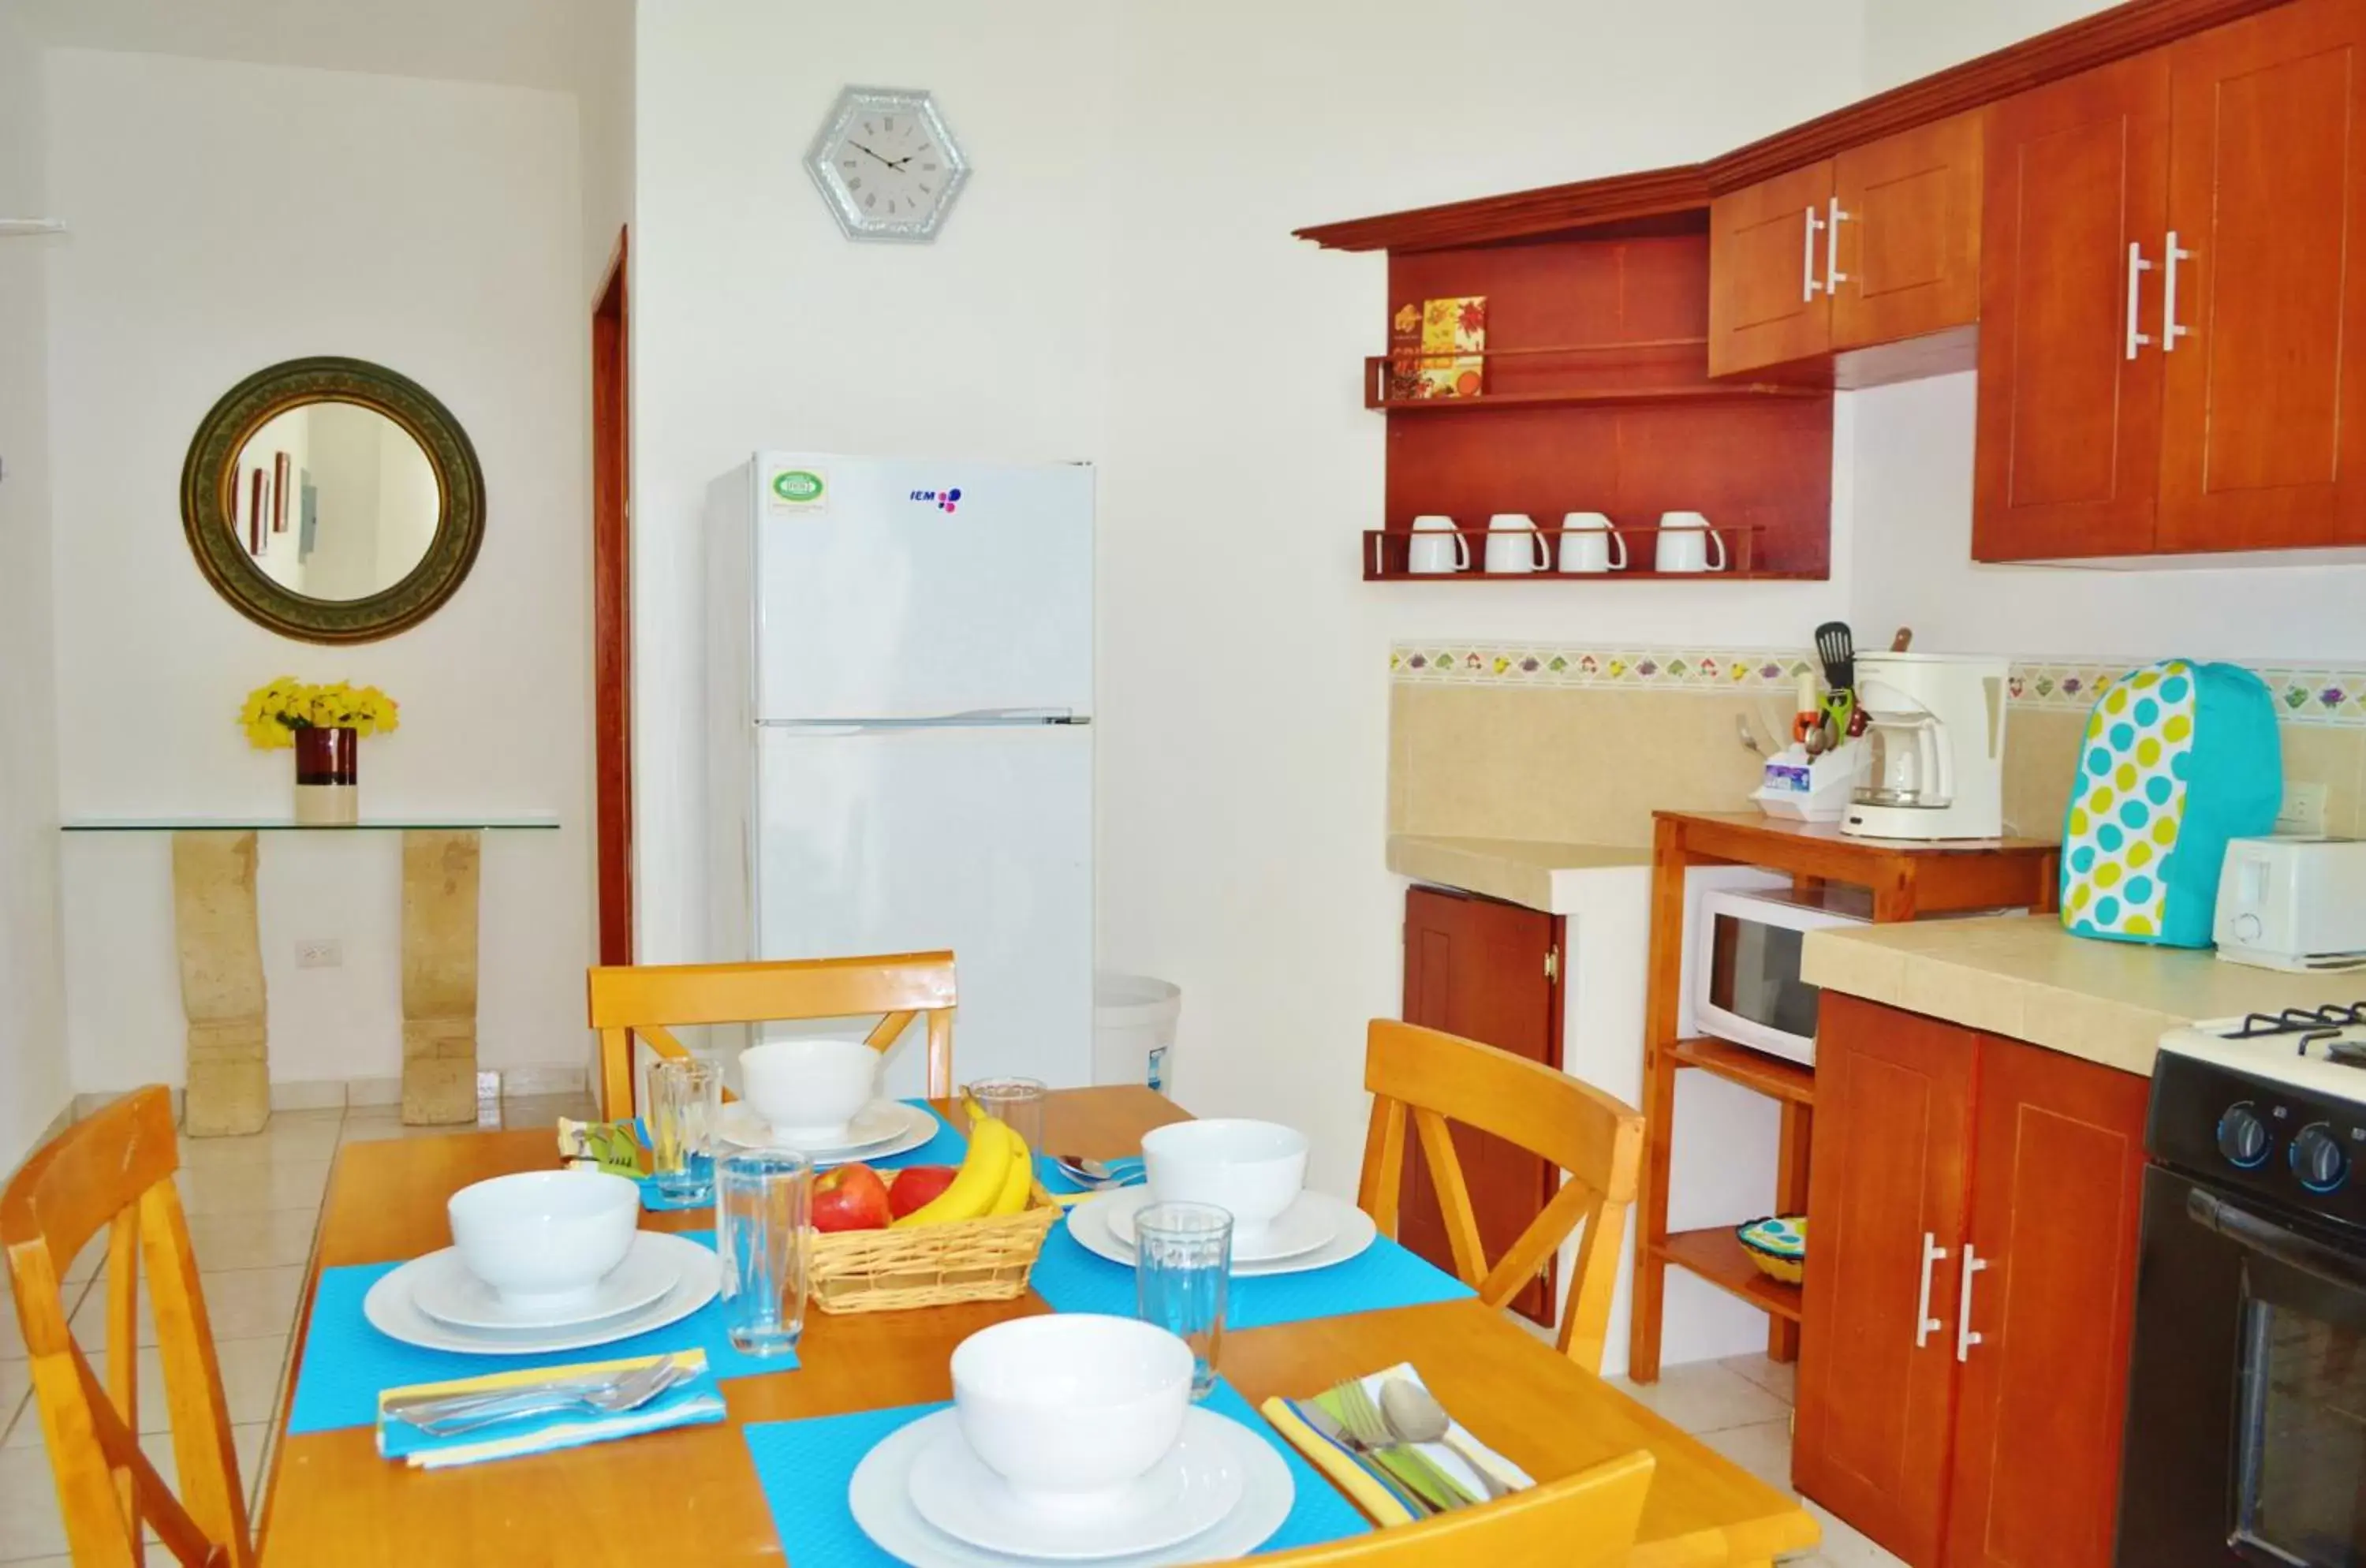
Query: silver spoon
(1414, 1413)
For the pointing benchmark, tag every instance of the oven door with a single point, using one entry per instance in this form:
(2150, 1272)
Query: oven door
(2246, 1438)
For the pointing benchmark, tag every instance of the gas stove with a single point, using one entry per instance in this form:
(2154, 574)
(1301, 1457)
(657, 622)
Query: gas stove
(2273, 1104)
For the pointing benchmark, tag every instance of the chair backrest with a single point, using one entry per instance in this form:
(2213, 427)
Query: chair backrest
(115, 1170)
(1586, 1520)
(1431, 1078)
(647, 1001)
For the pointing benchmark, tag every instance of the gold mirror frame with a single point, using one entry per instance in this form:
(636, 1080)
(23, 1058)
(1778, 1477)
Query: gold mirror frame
(211, 471)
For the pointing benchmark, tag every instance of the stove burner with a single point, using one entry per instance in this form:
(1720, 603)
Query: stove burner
(2296, 1020)
(2349, 1053)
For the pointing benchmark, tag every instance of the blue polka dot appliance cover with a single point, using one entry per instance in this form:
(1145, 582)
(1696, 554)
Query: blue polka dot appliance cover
(2179, 757)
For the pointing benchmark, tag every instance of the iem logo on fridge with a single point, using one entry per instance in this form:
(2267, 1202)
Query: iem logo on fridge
(942, 499)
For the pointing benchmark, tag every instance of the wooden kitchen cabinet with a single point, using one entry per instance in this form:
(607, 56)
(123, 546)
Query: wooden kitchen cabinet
(2067, 460)
(2263, 415)
(1907, 260)
(2173, 308)
(1969, 1291)
(1766, 265)
(1874, 245)
(1491, 972)
(2057, 1164)
(1889, 1182)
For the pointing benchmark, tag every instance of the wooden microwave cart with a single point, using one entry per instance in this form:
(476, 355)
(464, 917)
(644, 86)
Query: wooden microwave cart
(1905, 881)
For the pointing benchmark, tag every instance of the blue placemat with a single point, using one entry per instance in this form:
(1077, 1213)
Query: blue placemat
(1382, 1275)
(805, 1467)
(347, 1362)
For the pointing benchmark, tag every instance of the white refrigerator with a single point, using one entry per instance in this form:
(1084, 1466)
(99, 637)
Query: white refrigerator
(899, 672)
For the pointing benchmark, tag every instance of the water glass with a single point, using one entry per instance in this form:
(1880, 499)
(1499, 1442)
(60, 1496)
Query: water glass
(1182, 1272)
(1018, 1103)
(685, 1102)
(763, 1205)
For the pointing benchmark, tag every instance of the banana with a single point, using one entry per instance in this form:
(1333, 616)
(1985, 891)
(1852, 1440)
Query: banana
(1019, 1185)
(975, 1187)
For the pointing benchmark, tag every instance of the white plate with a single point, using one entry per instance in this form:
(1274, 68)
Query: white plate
(1303, 1226)
(881, 1128)
(442, 1287)
(1089, 1223)
(391, 1311)
(1191, 1491)
(880, 1497)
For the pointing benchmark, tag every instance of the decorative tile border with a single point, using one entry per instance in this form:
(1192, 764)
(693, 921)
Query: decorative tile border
(2310, 695)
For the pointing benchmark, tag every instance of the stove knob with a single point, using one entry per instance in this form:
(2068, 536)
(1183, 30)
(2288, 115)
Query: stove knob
(2319, 1159)
(2243, 1137)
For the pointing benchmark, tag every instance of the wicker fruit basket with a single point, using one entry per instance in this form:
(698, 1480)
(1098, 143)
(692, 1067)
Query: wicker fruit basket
(966, 1261)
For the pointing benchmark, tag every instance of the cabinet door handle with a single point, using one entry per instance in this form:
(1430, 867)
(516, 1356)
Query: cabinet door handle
(1833, 275)
(2169, 330)
(1807, 284)
(1925, 1323)
(1966, 1335)
(2137, 267)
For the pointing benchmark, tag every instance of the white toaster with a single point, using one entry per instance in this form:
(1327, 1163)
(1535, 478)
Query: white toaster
(2294, 903)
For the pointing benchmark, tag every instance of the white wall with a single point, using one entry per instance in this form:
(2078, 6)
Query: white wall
(34, 1084)
(1906, 39)
(431, 227)
(1120, 283)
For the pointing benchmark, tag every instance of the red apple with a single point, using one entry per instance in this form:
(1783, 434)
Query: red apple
(917, 1186)
(851, 1198)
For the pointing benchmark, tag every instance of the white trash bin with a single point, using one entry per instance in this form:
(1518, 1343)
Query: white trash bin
(1134, 1029)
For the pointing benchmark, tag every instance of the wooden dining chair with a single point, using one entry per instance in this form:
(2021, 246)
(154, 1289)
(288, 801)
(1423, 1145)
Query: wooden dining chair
(1430, 1077)
(115, 1170)
(648, 1001)
(1586, 1520)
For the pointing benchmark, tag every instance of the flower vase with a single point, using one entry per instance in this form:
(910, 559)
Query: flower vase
(328, 776)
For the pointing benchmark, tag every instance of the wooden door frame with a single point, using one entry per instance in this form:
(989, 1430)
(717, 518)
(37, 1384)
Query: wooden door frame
(611, 608)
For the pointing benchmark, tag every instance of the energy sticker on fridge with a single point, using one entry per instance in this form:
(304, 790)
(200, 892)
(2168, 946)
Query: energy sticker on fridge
(797, 489)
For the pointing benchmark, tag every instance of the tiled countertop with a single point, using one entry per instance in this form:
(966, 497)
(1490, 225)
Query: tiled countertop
(2024, 976)
(1519, 870)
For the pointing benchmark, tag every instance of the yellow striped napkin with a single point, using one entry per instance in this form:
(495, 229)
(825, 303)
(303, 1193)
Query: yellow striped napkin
(1373, 1492)
(693, 1402)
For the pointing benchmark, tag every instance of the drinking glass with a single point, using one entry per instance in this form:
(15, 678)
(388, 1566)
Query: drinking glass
(1018, 1103)
(763, 1204)
(685, 1102)
(1182, 1272)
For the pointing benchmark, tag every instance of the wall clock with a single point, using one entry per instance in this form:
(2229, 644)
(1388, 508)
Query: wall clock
(887, 164)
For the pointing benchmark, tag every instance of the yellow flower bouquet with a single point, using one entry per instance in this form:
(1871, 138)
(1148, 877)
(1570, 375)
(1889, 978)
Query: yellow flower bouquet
(277, 709)
(324, 725)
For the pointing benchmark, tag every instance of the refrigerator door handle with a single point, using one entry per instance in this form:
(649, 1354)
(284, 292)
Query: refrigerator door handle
(973, 717)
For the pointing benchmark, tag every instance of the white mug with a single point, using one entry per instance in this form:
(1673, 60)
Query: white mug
(1590, 543)
(1442, 554)
(1514, 545)
(1687, 544)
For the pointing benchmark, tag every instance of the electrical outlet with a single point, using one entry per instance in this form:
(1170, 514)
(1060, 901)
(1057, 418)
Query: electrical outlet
(2303, 807)
(320, 953)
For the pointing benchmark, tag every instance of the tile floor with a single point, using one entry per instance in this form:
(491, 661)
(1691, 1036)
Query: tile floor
(1742, 1408)
(254, 1204)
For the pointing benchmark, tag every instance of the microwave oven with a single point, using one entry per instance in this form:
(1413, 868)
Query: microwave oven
(1742, 964)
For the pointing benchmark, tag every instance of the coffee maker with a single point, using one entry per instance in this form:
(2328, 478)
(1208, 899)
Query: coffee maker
(1934, 725)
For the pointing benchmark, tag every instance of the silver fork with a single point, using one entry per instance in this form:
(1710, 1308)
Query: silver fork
(1371, 1430)
(627, 1392)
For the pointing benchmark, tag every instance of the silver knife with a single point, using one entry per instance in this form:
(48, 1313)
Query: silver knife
(435, 1406)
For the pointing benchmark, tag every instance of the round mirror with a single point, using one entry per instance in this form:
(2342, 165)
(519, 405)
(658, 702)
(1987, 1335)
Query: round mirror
(333, 500)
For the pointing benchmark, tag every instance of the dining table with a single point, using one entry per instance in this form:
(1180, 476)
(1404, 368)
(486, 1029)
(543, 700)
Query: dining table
(691, 1495)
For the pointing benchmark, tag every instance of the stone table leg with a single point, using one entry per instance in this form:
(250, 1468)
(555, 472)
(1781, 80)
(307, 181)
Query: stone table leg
(229, 1071)
(439, 977)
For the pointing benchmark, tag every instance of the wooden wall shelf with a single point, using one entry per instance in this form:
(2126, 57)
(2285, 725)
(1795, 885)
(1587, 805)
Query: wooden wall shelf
(1602, 402)
(1769, 1076)
(1386, 554)
(1718, 1257)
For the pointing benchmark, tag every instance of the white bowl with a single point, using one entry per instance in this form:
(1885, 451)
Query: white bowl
(810, 1089)
(1254, 1168)
(1069, 1408)
(544, 1238)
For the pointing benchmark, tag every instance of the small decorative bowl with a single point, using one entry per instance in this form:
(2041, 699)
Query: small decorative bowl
(1779, 1245)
